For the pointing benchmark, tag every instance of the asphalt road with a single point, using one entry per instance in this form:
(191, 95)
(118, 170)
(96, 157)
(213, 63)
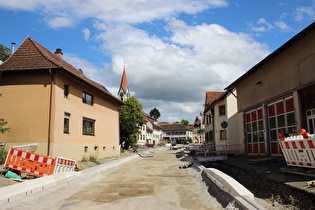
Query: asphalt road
(144, 183)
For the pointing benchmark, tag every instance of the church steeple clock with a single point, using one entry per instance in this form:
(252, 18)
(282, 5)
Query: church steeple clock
(123, 92)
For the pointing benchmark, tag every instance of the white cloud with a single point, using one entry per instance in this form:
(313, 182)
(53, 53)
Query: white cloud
(303, 13)
(89, 69)
(171, 73)
(110, 11)
(18, 4)
(86, 34)
(263, 25)
(60, 22)
(283, 26)
(175, 72)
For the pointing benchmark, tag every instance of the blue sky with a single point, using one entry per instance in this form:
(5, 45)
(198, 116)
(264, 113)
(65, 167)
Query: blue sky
(173, 51)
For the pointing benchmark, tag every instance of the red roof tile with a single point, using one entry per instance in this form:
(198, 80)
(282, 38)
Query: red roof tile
(212, 96)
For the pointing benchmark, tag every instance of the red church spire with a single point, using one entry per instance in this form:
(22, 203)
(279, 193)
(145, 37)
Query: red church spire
(124, 82)
(123, 92)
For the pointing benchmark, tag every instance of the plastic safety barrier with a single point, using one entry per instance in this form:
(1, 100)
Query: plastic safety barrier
(29, 162)
(298, 151)
(64, 165)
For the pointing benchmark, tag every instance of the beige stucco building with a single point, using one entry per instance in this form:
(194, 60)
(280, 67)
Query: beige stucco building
(47, 101)
(278, 94)
(221, 120)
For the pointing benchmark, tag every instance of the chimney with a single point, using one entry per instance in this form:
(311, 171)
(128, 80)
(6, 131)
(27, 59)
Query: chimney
(59, 53)
(12, 47)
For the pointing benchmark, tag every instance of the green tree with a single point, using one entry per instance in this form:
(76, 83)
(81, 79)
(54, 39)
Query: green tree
(155, 113)
(185, 122)
(4, 53)
(130, 118)
(2, 128)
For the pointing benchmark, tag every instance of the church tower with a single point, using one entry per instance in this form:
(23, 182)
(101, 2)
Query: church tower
(123, 92)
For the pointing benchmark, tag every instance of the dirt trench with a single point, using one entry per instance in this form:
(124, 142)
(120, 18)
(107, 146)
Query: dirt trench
(267, 188)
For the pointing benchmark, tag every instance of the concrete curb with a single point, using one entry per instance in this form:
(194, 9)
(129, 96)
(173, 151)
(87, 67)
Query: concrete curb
(17, 191)
(242, 196)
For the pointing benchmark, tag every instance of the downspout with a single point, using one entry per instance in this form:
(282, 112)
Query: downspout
(50, 111)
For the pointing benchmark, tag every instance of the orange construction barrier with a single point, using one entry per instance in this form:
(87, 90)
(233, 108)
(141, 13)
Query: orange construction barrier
(29, 162)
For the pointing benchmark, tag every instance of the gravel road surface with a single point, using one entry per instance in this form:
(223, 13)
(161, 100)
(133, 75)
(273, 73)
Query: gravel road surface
(144, 183)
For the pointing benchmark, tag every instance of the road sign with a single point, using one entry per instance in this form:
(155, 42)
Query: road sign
(224, 124)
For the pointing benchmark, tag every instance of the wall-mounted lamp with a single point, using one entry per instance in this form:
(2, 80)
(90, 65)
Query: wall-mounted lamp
(259, 82)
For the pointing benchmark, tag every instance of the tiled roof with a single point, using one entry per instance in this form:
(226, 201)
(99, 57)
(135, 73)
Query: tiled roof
(196, 125)
(152, 120)
(174, 127)
(31, 56)
(163, 123)
(211, 96)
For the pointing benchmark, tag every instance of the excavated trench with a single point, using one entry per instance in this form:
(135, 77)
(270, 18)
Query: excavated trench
(266, 188)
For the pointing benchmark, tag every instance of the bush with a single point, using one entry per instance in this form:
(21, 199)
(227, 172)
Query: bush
(3, 155)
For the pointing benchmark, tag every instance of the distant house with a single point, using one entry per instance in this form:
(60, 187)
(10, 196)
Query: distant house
(197, 135)
(49, 102)
(278, 94)
(177, 132)
(221, 120)
(142, 137)
(153, 131)
(208, 115)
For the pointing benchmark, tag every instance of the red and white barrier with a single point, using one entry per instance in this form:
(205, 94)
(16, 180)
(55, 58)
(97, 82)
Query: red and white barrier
(28, 162)
(38, 165)
(298, 151)
(64, 165)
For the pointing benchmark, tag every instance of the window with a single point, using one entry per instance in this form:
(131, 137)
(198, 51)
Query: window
(87, 98)
(66, 90)
(88, 126)
(281, 118)
(66, 120)
(222, 110)
(255, 125)
(223, 135)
